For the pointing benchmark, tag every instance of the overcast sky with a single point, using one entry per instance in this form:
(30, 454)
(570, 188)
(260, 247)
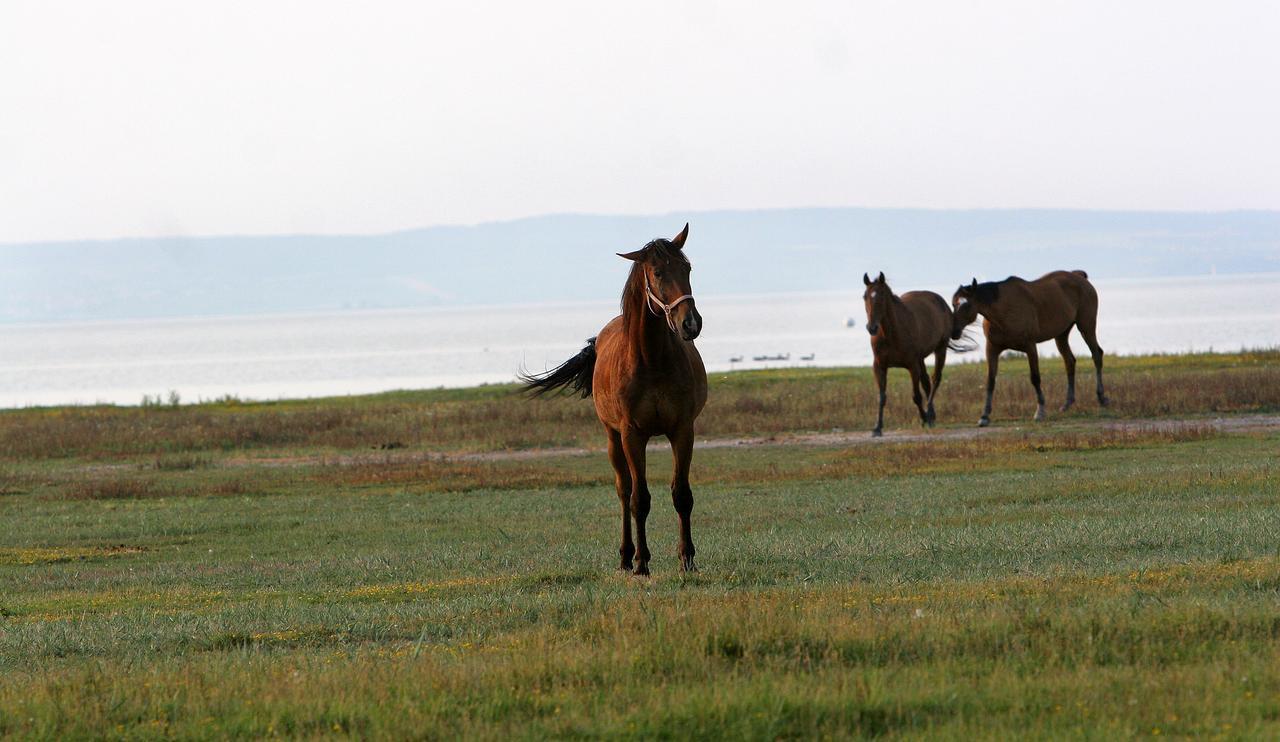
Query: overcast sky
(159, 118)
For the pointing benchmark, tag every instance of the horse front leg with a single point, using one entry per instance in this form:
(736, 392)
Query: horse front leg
(993, 368)
(682, 495)
(881, 373)
(633, 444)
(622, 482)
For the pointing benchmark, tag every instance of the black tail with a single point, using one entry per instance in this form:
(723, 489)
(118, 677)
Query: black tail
(574, 374)
(964, 344)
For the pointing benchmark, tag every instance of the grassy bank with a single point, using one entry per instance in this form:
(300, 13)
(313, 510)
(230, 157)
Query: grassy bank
(745, 403)
(219, 570)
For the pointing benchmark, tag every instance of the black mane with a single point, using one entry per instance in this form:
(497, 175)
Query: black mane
(987, 293)
(665, 250)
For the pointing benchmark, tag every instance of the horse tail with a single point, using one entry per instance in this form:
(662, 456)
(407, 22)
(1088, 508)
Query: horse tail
(964, 344)
(573, 376)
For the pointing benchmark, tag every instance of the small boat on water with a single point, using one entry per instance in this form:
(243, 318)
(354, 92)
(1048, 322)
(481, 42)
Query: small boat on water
(735, 359)
(779, 357)
(808, 357)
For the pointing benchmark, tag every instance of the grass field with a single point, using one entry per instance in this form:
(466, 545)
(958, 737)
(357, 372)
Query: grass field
(386, 567)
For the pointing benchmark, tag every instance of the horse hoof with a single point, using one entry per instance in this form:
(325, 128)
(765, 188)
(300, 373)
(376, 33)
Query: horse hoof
(687, 565)
(626, 567)
(1104, 401)
(1064, 407)
(877, 433)
(642, 570)
(984, 422)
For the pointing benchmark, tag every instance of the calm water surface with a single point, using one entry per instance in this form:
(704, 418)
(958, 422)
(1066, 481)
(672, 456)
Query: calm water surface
(353, 352)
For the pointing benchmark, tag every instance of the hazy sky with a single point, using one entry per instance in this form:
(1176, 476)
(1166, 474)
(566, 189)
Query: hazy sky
(155, 118)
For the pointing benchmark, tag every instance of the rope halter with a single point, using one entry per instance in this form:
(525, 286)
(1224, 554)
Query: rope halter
(667, 309)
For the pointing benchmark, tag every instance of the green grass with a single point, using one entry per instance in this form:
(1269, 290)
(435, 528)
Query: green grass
(1061, 580)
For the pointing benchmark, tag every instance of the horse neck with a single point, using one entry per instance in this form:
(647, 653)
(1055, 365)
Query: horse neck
(894, 313)
(647, 333)
(991, 310)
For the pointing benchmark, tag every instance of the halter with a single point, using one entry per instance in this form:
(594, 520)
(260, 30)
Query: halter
(667, 309)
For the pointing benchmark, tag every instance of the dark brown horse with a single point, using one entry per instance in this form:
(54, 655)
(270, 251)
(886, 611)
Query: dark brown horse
(904, 331)
(1017, 314)
(647, 379)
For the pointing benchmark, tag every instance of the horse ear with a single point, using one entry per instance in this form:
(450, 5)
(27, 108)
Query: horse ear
(974, 285)
(865, 280)
(633, 255)
(679, 239)
(880, 278)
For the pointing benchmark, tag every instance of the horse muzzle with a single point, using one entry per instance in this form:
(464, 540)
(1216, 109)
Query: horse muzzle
(691, 326)
(873, 328)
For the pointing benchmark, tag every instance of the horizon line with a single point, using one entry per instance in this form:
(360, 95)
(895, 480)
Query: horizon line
(617, 215)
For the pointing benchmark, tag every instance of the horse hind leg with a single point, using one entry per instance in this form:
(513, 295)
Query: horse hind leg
(633, 446)
(939, 361)
(916, 374)
(622, 481)
(1068, 360)
(1088, 332)
(927, 417)
(1033, 359)
(682, 495)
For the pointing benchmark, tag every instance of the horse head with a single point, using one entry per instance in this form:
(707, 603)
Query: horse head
(876, 298)
(664, 271)
(964, 308)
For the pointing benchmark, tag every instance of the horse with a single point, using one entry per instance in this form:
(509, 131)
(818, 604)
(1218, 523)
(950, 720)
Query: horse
(1017, 314)
(904, 331)
(647, 379)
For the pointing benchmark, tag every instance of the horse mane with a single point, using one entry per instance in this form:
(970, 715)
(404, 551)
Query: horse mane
(987, 293)
(633, 299)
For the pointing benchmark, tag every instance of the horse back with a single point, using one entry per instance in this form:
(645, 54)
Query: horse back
(1062, 299)
(931, 317)
(1069, 287)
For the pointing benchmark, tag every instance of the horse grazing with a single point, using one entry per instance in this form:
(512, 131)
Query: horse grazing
(647, 379)
(1017, 314)
(904, 331)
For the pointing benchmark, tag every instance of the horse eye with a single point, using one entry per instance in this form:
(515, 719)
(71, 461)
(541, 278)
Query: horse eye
(657, 275)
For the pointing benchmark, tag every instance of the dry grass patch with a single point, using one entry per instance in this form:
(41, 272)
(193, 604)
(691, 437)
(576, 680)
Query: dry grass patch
(111, 488)
(53, 554)
(452, 476)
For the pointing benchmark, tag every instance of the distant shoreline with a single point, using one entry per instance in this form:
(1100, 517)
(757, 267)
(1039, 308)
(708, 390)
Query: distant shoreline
(159, 401)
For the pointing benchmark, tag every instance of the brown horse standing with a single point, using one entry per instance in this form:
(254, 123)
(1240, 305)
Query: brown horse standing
(647, 379)
(904, 331)
(1017, 314)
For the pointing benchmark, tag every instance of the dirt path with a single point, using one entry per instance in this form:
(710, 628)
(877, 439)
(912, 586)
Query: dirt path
(1231, 424)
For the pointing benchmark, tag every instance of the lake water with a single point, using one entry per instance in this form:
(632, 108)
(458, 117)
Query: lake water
(355, 352)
